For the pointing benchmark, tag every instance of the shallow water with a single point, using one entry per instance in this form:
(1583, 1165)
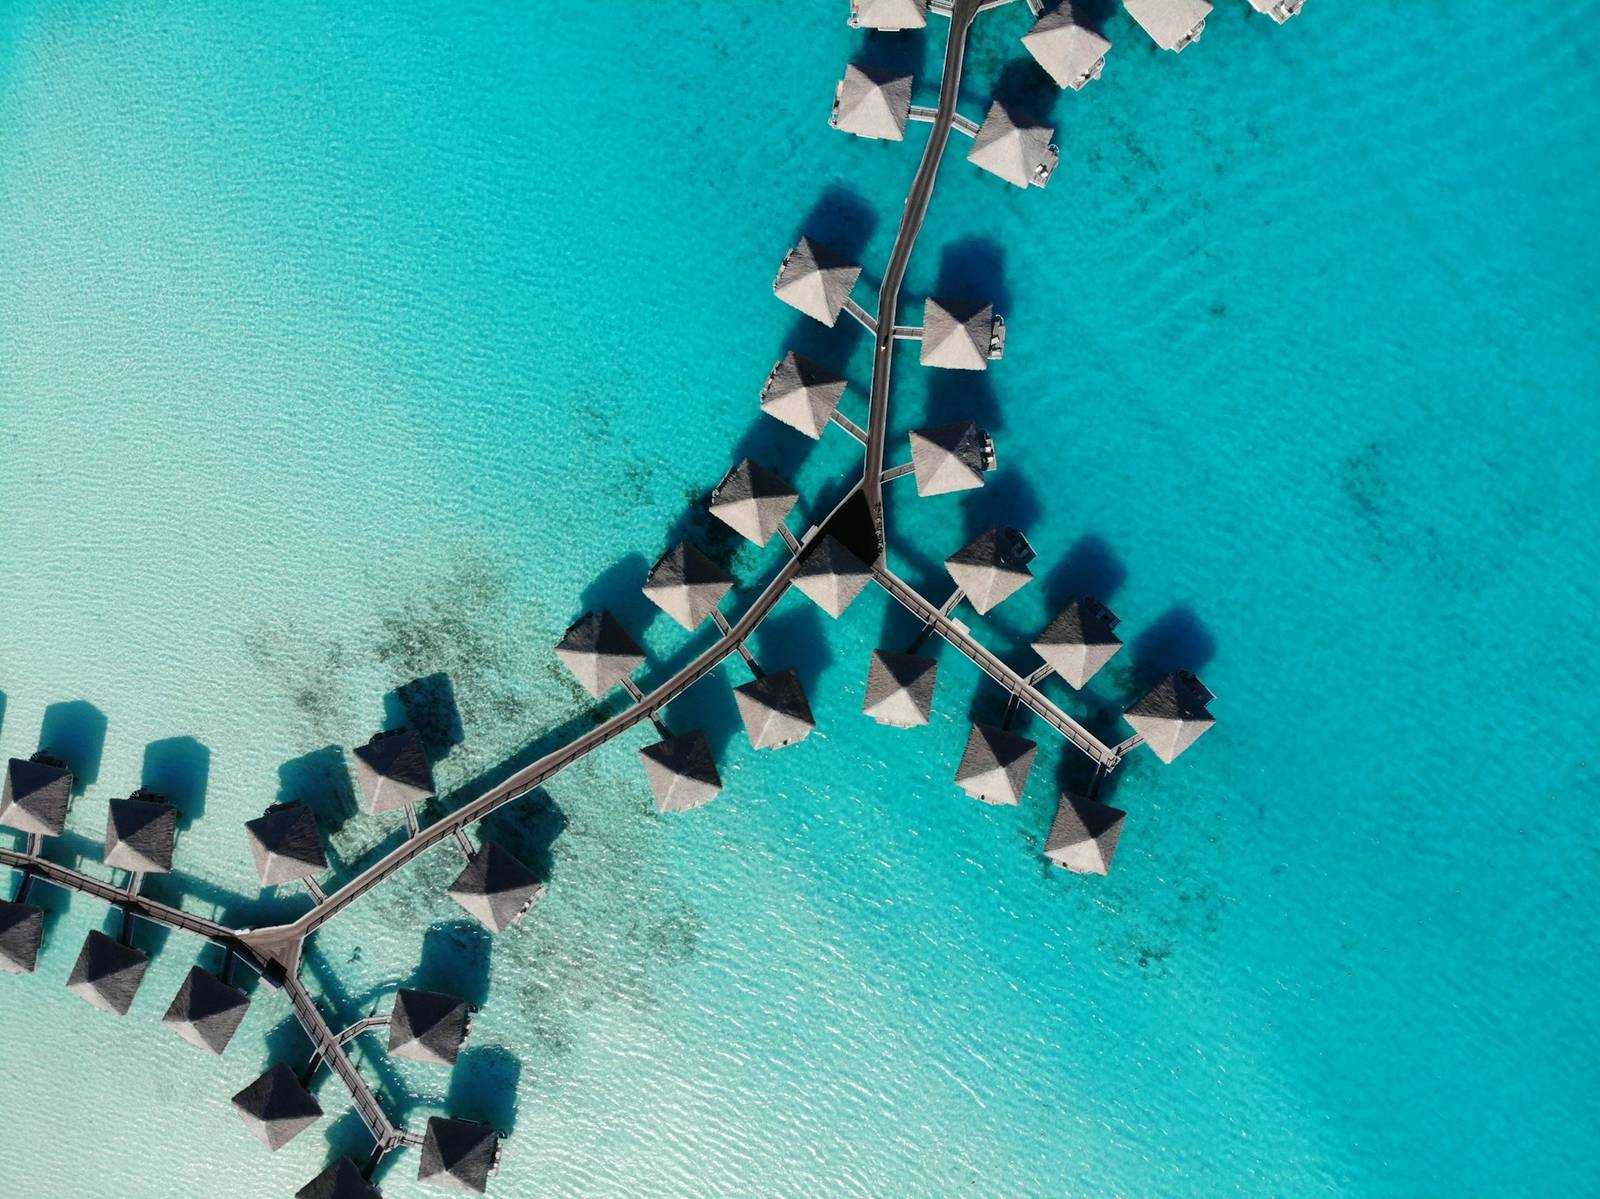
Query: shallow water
(340, 351)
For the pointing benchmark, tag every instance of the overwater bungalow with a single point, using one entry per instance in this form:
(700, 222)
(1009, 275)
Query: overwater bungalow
(992, 567)
(775, 710)
(752, 501)
(1083, 838)
(286, 844)
(831, 576)
(995, 766)
(1079, 641)
(394, 771)
(1019, 150)
(107, 974)
(428, 1027)
(36, 795)
(342, 1180)
(949, 458)
(1279, 10)
(1172, 715)
(21, 935)
(141, 832)
(495, 888)
(206, 1011)
(276, 1107)
(599, 652)
(888, 14)
(815, 279)
(900, 688)
(802, 394)
(686, 585)
(869, 102)
(682, 772)
(458, 1155)
(961, 335)
(1171, 24)
(1070, 50)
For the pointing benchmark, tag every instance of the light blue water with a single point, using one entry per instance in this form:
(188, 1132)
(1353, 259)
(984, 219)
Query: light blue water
(340, 348)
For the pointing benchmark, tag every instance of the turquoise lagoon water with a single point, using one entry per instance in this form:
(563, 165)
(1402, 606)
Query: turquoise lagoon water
(347, 346)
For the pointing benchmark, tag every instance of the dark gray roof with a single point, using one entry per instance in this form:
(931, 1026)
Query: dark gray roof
(1084, 836)
(1173, 24)
(1016, 148)
(950, 457)
(831, 576)
(35, 797)
(276, 1107)
(995, 766)
(1064, 46)
(342, 1180)
(140, 834)
(682, 772)
(206, 1011)
(888, 14)
(286, 843)
(1079, 641)
(107, 974)
(393, 770)
(957, 334)
(900, 688)
(816, 279)
(991, 567)
(1172, 715)
(752, 501)
(802, 394)
(428, 1027)
(870, 102)
(458, 1155)
(21, 934)
(599, 652)
(496, 888)
(686, 585)
(774, 710)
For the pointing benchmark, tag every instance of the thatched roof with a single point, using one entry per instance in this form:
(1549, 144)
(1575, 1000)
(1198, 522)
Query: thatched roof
(831, 576)
(816, 279)
(752, 501)
(276, 1108)
(889, 14)
(1079, 641)
(992, 567)
(394, 771)
(206, 1011)
(36, 795)
(682, 771)
(900, 688)
(802, 394)
(872, 103)
(995, 766)
(686, 585)
(21, 934)
(774, 710)
(949, 458)
(1070, 51)
(1279, 10)
(1171, 24)
(1084, 836)
(1172, 716)
(599, 652)
(957, 334)
(342, 1180)
(286, 844)
(141, 834)
(458, 1155)
(107, 974)
(496, 888)
(428, 1027)
(1019, 150)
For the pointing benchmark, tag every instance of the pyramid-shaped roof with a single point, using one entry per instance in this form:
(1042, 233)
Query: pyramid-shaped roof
(802, 394)
(107, 974)
(992, 567)
(1084, 835)
(957, 334)
(1279, 10)
(774, 710)
(869, 102)
(1017, 149)
(995, 766)
(21, 934)
(1070, 51)
(831, 576)
(276, 1108)
(458, 1155)
(206, 1011)
(686, 585)
(900, 688)
(342, 1180)
(496, 888)
(140, 834)
(752, 501)
(888, 14)
(394, 771)
(599, 652)
(1079, 641)
(950, 457)
(1172, 24)
(816, 279)
(1172, 716)
(428, 1027)
(35, 796)
(682, 771)
(286, 844)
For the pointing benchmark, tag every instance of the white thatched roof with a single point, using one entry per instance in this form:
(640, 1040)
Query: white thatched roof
(1172, 716)
(140, 835)
(206, 1011)
(458, 1155)
(994, 768)
(1079, 641)
(496, 888)
(900, 688)
(752, 501)
(872, 103)
(1070, 51)
(950, 457)
(1084, 835)
(426, 1026)
(286, 844)
(888, 14)
(36, 794)
(802, 394)
(775, 710)
(831, 576)
(1017, 149)
(815, 279)
(1171, 24)
(957, 334)
(276, 1107)
(686, 585)
(682, 772)
(393, 770)
(599, 652)
(1279, 10)
(992, 567)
